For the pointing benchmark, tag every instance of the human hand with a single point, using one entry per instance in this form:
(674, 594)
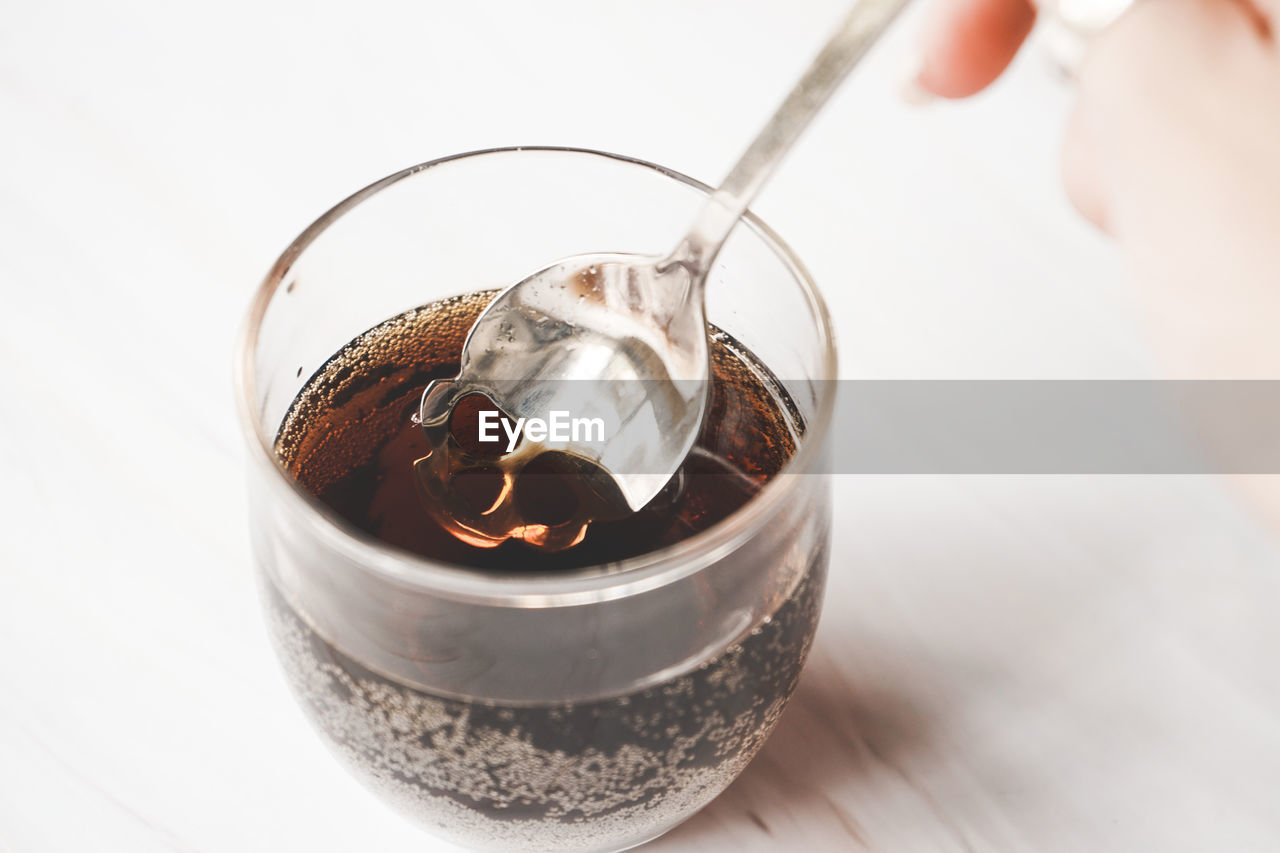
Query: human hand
(1169, 150)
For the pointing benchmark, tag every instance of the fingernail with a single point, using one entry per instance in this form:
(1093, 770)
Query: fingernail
(910, 89)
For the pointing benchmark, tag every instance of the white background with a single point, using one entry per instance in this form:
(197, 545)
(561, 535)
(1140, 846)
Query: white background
(1004, 664)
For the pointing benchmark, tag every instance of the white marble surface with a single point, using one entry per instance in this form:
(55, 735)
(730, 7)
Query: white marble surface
(1038, 664)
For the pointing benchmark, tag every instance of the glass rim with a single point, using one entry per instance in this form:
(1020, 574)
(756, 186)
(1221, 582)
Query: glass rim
(602, 582)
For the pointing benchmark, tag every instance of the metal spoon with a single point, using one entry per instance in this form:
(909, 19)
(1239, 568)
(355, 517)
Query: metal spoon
(634, 326)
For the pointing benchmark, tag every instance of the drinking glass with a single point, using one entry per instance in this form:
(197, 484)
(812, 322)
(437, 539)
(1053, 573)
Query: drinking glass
(590, 709)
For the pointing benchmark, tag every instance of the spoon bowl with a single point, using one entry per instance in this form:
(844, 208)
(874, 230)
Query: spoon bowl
(602, 350)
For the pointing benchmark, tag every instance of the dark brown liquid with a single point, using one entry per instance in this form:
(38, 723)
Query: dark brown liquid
(583, 775)
(349, 438)
(567, 776)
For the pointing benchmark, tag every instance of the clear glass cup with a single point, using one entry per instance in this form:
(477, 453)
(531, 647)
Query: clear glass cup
(591, 709)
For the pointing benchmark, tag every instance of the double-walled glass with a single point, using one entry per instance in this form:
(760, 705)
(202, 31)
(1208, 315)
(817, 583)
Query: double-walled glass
(584, 710)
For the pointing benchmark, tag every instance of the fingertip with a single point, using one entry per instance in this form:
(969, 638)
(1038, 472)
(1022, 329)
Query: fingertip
(967, 44)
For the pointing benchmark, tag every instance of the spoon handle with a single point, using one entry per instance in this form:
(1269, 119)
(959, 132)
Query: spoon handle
(718, 216)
